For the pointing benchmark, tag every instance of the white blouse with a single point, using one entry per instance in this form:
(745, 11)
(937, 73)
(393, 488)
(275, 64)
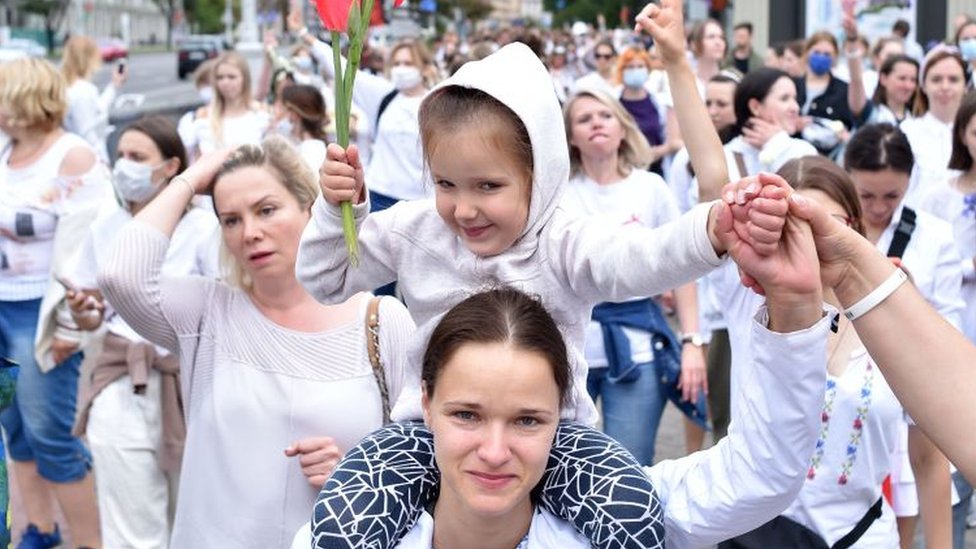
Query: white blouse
(948, 203)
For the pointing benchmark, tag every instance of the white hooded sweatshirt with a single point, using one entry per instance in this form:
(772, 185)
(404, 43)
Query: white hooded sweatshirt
(571, 263)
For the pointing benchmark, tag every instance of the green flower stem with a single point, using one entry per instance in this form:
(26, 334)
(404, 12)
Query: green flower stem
(343, 104)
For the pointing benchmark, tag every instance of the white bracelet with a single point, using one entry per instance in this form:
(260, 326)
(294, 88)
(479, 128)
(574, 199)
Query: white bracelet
(876, 296)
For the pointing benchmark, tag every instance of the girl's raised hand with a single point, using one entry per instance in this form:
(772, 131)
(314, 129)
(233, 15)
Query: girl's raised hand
(665, 23)
(341, 175)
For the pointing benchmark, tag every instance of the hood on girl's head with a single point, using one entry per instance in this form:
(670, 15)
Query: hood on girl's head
(518, 80)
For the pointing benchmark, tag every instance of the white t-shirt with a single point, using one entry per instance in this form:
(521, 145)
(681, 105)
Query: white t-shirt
(32, 199)
(545, 532)
(642, 197)
(248, 128)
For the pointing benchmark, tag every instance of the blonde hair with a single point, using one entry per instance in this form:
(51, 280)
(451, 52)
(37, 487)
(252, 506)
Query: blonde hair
(634, 151)
(279, 158)
(216, 113)
(34, 92)
(80, 59)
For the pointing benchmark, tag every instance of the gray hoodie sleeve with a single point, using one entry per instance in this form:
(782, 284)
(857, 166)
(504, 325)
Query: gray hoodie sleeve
(603, 261)
(323, 265)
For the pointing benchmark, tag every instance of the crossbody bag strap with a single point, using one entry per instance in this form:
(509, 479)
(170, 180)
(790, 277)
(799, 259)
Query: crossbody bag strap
(862, 526)
(373, 348)
(903, 233)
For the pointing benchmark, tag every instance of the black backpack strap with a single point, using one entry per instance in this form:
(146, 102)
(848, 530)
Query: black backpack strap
(903, 233)
(862, 525)
(740, 164)
(384, 103)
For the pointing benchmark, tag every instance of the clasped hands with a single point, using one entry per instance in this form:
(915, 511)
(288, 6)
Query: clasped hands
(765, 228)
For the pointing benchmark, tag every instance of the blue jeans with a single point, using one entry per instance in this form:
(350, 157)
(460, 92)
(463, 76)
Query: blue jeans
(39, 420)
(377, 203)
(960, 510)
(631, 411)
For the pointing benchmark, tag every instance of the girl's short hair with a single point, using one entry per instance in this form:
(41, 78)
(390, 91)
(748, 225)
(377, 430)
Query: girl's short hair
(502, 315)
(34, 92)
(755, 85)
(634, 152)
(879, 147)
(824, 175)
(79, 58)
(162, 132)
(451, 108)
(307, 102)
(627, 57)
(961, 159)
(279, 158)
(880, 96)
(937, 55)
(821, 36)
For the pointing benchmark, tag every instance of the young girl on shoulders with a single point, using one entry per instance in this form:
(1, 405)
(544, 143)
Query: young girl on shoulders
(494, 143)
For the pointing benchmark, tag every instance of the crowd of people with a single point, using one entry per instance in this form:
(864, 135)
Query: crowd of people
(558, 231)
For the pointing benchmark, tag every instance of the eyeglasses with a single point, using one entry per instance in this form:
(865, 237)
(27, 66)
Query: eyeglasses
(843, 219)
(603, 55)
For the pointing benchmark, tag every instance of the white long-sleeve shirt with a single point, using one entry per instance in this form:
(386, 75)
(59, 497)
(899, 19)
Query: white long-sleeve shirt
(947, 203)
(931, 141)
(88, 112)
(250, 389)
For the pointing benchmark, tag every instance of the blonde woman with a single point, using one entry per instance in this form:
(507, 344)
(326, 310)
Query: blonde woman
(51, 188)
(276, 386)
(233, 117)
(609, 156)
(87, 108)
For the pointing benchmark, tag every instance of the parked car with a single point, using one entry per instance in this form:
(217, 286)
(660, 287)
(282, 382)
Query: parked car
(16, 48)
(112, 49)
(194, 50)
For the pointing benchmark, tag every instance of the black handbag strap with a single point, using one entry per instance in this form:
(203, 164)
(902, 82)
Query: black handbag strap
(903, 233)
(862, 525)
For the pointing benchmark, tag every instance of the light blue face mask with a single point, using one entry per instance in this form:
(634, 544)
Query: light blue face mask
(636, 77)
(967, 48)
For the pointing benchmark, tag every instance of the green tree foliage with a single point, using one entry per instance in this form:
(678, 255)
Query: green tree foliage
(205, 16)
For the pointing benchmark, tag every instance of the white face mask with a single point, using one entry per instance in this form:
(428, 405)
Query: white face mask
(133, 181)
(284, 127)
(303, 63)
(405, 77)
(206, 94)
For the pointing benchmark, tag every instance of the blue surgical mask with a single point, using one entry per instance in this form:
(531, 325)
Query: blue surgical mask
(967, 48)
(636, 77)
(819, 63)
